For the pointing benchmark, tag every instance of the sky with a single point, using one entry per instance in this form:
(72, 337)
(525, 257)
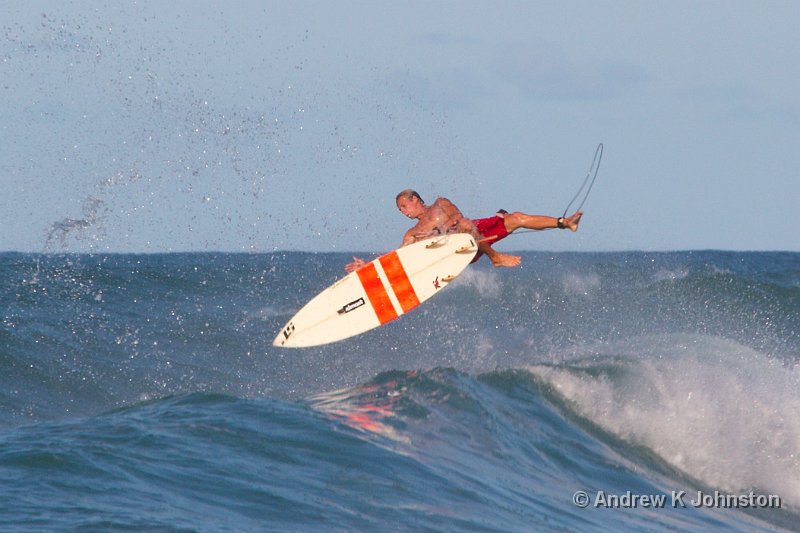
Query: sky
(267, 126)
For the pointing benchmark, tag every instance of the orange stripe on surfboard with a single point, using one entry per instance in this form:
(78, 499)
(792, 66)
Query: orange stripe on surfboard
(376, 293)
(399, 281)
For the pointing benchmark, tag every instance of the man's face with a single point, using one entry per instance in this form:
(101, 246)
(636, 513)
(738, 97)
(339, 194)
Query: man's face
(410, 207)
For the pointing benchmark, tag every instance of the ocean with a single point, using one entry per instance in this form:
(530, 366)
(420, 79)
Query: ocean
(633, 391)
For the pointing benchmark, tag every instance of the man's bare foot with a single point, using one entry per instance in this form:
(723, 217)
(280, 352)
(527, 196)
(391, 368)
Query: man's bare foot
(504, 260)
(573, 221)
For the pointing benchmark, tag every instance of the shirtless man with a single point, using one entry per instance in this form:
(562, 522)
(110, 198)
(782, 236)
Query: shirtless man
(444, 217)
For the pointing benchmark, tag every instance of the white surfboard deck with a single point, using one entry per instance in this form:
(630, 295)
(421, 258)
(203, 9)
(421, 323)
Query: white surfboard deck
(380, 291)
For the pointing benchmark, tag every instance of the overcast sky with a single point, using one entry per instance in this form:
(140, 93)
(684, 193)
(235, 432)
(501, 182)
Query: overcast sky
(261, 126)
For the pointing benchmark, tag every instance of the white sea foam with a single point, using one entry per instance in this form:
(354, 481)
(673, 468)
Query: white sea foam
(719, 411)
(485, 282)
(580, 284)
(671, 275)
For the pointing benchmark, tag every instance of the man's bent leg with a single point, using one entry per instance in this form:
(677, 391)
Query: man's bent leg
(498, 259)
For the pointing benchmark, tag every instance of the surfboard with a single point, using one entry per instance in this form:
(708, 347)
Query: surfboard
(379, 291)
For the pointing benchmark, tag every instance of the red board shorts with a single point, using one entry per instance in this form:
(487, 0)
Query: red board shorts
(490, 227)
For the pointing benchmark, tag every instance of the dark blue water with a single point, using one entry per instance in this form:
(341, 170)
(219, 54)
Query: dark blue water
(142, 393)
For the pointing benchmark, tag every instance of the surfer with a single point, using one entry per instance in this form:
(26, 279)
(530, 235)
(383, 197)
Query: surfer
(444, 217)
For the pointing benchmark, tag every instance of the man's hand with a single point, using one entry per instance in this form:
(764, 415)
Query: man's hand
(355, 265)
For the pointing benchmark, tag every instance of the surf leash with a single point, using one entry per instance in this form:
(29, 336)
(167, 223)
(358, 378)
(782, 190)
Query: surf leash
(590, 177)
(588, 180)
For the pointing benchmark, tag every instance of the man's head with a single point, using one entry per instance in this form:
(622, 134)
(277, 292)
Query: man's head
(410, 203)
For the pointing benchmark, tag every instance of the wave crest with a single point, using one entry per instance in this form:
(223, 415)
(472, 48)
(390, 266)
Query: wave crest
(718, 411)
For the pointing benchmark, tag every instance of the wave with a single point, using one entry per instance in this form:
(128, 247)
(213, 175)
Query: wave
(718, 411)
(434, 449)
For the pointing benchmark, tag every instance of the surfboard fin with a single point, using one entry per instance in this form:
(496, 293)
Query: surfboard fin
(437, 243)
(467, 249)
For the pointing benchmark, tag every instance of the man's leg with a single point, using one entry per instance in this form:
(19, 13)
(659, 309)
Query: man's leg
(498, 259)
(490, 231)
(517, 220)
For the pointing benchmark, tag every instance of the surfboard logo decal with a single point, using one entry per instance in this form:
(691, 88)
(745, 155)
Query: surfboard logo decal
(355, 304)
(287, 331)
(376, 293)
